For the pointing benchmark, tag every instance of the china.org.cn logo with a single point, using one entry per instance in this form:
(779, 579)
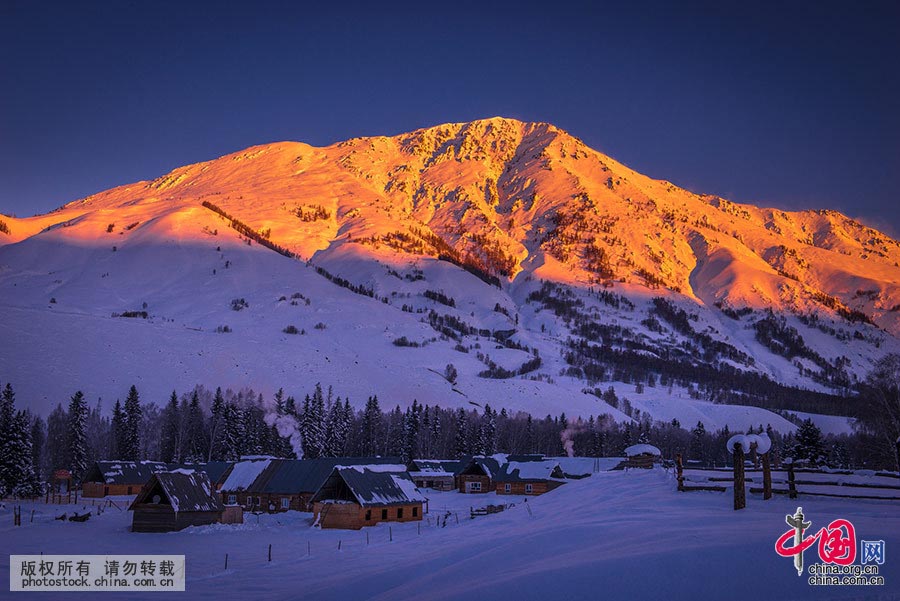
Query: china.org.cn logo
(837, 550)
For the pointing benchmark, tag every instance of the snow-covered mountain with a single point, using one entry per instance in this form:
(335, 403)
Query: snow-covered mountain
(544, 271)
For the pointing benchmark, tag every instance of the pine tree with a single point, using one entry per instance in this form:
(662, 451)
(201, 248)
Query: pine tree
(132, 427)
(38, 442)
(216, 426)
(58, 455)
(118, 430)
(462, 447)
(77, 436)
(230, 432)
(488, 431)
(169, 443)
(809, 443)
(196, 436)
(698, 434)
(371, 427)
(7, 462)
(24, 480)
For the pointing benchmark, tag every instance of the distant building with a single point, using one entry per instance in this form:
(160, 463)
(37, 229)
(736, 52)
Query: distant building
(529, 477)
(273, 485)
(175, 500)
(478, 473)
(113, 478)
(436, 474)
(640, 456)
(353, 497)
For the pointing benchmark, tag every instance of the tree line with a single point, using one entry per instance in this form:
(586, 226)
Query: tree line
(203, 425)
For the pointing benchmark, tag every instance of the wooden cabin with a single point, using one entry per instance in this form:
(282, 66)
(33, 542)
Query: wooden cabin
(365, 495)
(105, 478)
(436, 474)
(477, 476)
(173, 501)
(114, 478)
(642, 456)
(274, 485)
(529, 477)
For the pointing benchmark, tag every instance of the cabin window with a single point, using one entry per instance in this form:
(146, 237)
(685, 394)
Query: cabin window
(285, 502)
(232, 499)
(250, 501)
(476, 485)
(415, 511)
(508, 487)
(384, 514)
(529, 488)
(399, 513)
(129, 490)
(368, 514)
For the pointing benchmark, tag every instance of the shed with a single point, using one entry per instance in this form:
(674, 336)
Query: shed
(437, 474)
(640, 456)
(529, 477)
(363, 495)
(175, 500)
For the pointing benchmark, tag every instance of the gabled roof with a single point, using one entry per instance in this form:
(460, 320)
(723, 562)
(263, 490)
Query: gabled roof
(530, 471)
(371, 485)
(292, 476)
(185, 490)
(123, 472)
(491, 466)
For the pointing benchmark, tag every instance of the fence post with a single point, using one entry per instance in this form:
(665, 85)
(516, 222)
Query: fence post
(367, 537)
(226, 561)
(679, 472)
(792, 485)
(391, 533)
(767, 476)
(740, 494)
(270, 551)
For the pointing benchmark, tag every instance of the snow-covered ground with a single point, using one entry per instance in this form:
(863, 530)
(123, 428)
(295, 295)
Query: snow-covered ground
(616, 535)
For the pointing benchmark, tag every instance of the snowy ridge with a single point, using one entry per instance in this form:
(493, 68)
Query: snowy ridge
(493, 246)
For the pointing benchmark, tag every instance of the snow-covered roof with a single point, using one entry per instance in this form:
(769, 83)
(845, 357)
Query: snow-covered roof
(435, 467)
(244, 473)
(376, 486)
(186, 491)
(640, 449)
(516, 471)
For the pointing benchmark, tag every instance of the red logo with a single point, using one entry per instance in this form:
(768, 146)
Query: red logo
(837, 541)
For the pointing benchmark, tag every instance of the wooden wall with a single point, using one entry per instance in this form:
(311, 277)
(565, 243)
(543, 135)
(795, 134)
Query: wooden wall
(486, 484)
(298, 502)
(352, 516)
(518, 488)
(99, 489)
(435, 482)
(150, 517)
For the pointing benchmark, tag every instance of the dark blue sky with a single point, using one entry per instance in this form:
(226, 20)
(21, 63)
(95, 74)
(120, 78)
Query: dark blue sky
(796, 106)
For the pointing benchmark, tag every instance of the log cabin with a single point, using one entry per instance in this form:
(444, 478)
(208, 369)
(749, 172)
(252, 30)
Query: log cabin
(276, 485)
(477, 475)
(114, 478)
(173, 501)
(529, 477)
(354, 497)
(105, 478)
(436, 474)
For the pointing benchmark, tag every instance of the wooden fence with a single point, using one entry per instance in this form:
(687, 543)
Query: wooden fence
(787, 480)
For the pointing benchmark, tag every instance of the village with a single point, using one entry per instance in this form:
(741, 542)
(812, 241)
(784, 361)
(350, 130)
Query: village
(373, 527)
(339, 493)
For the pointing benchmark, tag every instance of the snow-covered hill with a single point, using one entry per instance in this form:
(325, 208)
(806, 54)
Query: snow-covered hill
(507, 249)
